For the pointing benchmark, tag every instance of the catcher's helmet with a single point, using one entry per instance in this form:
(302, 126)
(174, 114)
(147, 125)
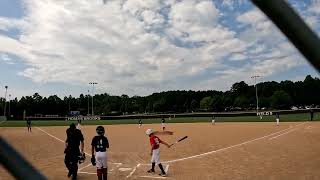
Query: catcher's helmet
(100, 130)
(72, 126)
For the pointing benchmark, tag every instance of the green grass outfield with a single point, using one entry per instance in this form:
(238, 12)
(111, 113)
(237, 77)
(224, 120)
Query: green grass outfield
(283, 118)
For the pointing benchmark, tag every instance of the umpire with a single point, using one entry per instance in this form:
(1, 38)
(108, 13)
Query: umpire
(72, 151)
(311, 114)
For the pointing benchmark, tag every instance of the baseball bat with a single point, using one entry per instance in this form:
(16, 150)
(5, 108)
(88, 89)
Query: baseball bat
(181, 139)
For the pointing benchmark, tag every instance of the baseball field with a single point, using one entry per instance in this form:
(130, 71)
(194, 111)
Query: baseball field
(230, 150)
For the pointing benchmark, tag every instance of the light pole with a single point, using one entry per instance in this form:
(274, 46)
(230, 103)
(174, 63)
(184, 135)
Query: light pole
(88, 102)
(93, 83)
(9, 105)
(69, 105)
(255, 84)
(5, 102)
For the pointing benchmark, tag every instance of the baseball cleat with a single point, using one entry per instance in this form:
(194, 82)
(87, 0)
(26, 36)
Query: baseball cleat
(163, 174)
(151, 171)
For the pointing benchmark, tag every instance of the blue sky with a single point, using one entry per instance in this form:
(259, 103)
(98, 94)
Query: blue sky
(139, 47)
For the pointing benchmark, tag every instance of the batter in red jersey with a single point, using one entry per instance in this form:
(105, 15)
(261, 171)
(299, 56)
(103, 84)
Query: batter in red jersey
(155, 151)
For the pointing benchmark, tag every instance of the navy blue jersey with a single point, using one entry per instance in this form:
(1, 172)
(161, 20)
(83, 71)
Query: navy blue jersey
(163, 121)
(100, 143)
(140, 121)
(28, 121)
(74, 137)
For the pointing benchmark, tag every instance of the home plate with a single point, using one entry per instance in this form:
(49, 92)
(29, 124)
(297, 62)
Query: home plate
(125, 169)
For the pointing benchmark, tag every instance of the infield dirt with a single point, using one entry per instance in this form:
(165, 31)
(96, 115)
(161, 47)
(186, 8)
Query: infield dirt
(223, 151)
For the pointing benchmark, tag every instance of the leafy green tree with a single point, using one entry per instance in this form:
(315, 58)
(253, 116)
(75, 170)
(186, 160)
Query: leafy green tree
(240, 88)
(271, 94)
(206, 102)
(241, 101)
(280, 100)
(217, 102)
(194, 105)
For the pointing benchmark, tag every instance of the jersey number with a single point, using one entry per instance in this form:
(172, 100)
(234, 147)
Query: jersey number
(99, 145)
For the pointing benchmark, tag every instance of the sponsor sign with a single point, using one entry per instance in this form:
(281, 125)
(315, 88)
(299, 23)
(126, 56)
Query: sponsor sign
(264, 114)
(84, 118)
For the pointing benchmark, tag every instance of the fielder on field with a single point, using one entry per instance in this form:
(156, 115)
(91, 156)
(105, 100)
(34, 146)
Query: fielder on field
(29, 124)
(99, 145)
(277, 119)
(155, 151)
(140, 123)
(213, 121)
(72, 152)
(79, 123)
(163, 124)
(311, 115)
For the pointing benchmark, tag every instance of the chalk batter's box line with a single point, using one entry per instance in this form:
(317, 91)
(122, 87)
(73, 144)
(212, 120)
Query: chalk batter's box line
(85, 166)
(166, 166)
(84, 172)
(138, 165)
(91, 173)
(156, 177)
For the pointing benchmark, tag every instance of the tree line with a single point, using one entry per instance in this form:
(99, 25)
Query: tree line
(241, 96)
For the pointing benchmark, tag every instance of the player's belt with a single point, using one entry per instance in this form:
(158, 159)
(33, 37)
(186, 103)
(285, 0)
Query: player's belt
(101, 151)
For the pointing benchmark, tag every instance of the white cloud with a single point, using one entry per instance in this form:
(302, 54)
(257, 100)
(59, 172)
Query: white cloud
(12, 46)
(11, 23)
(6, 59)
(232, 4)
(123, 43)
(315, 7)
(142, 46)
(252, 17)
(312, 15)
(268, 50)
(196, 21)
(238, 57)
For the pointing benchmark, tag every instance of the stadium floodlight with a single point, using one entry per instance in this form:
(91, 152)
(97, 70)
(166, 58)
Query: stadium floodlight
(93, 83)
(255, 84)
(69, 104)
(88, 102)
(9, 113)
(5, 101)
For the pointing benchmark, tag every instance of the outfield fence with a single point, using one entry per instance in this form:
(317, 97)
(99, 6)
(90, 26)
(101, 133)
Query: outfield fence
(179, 115)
